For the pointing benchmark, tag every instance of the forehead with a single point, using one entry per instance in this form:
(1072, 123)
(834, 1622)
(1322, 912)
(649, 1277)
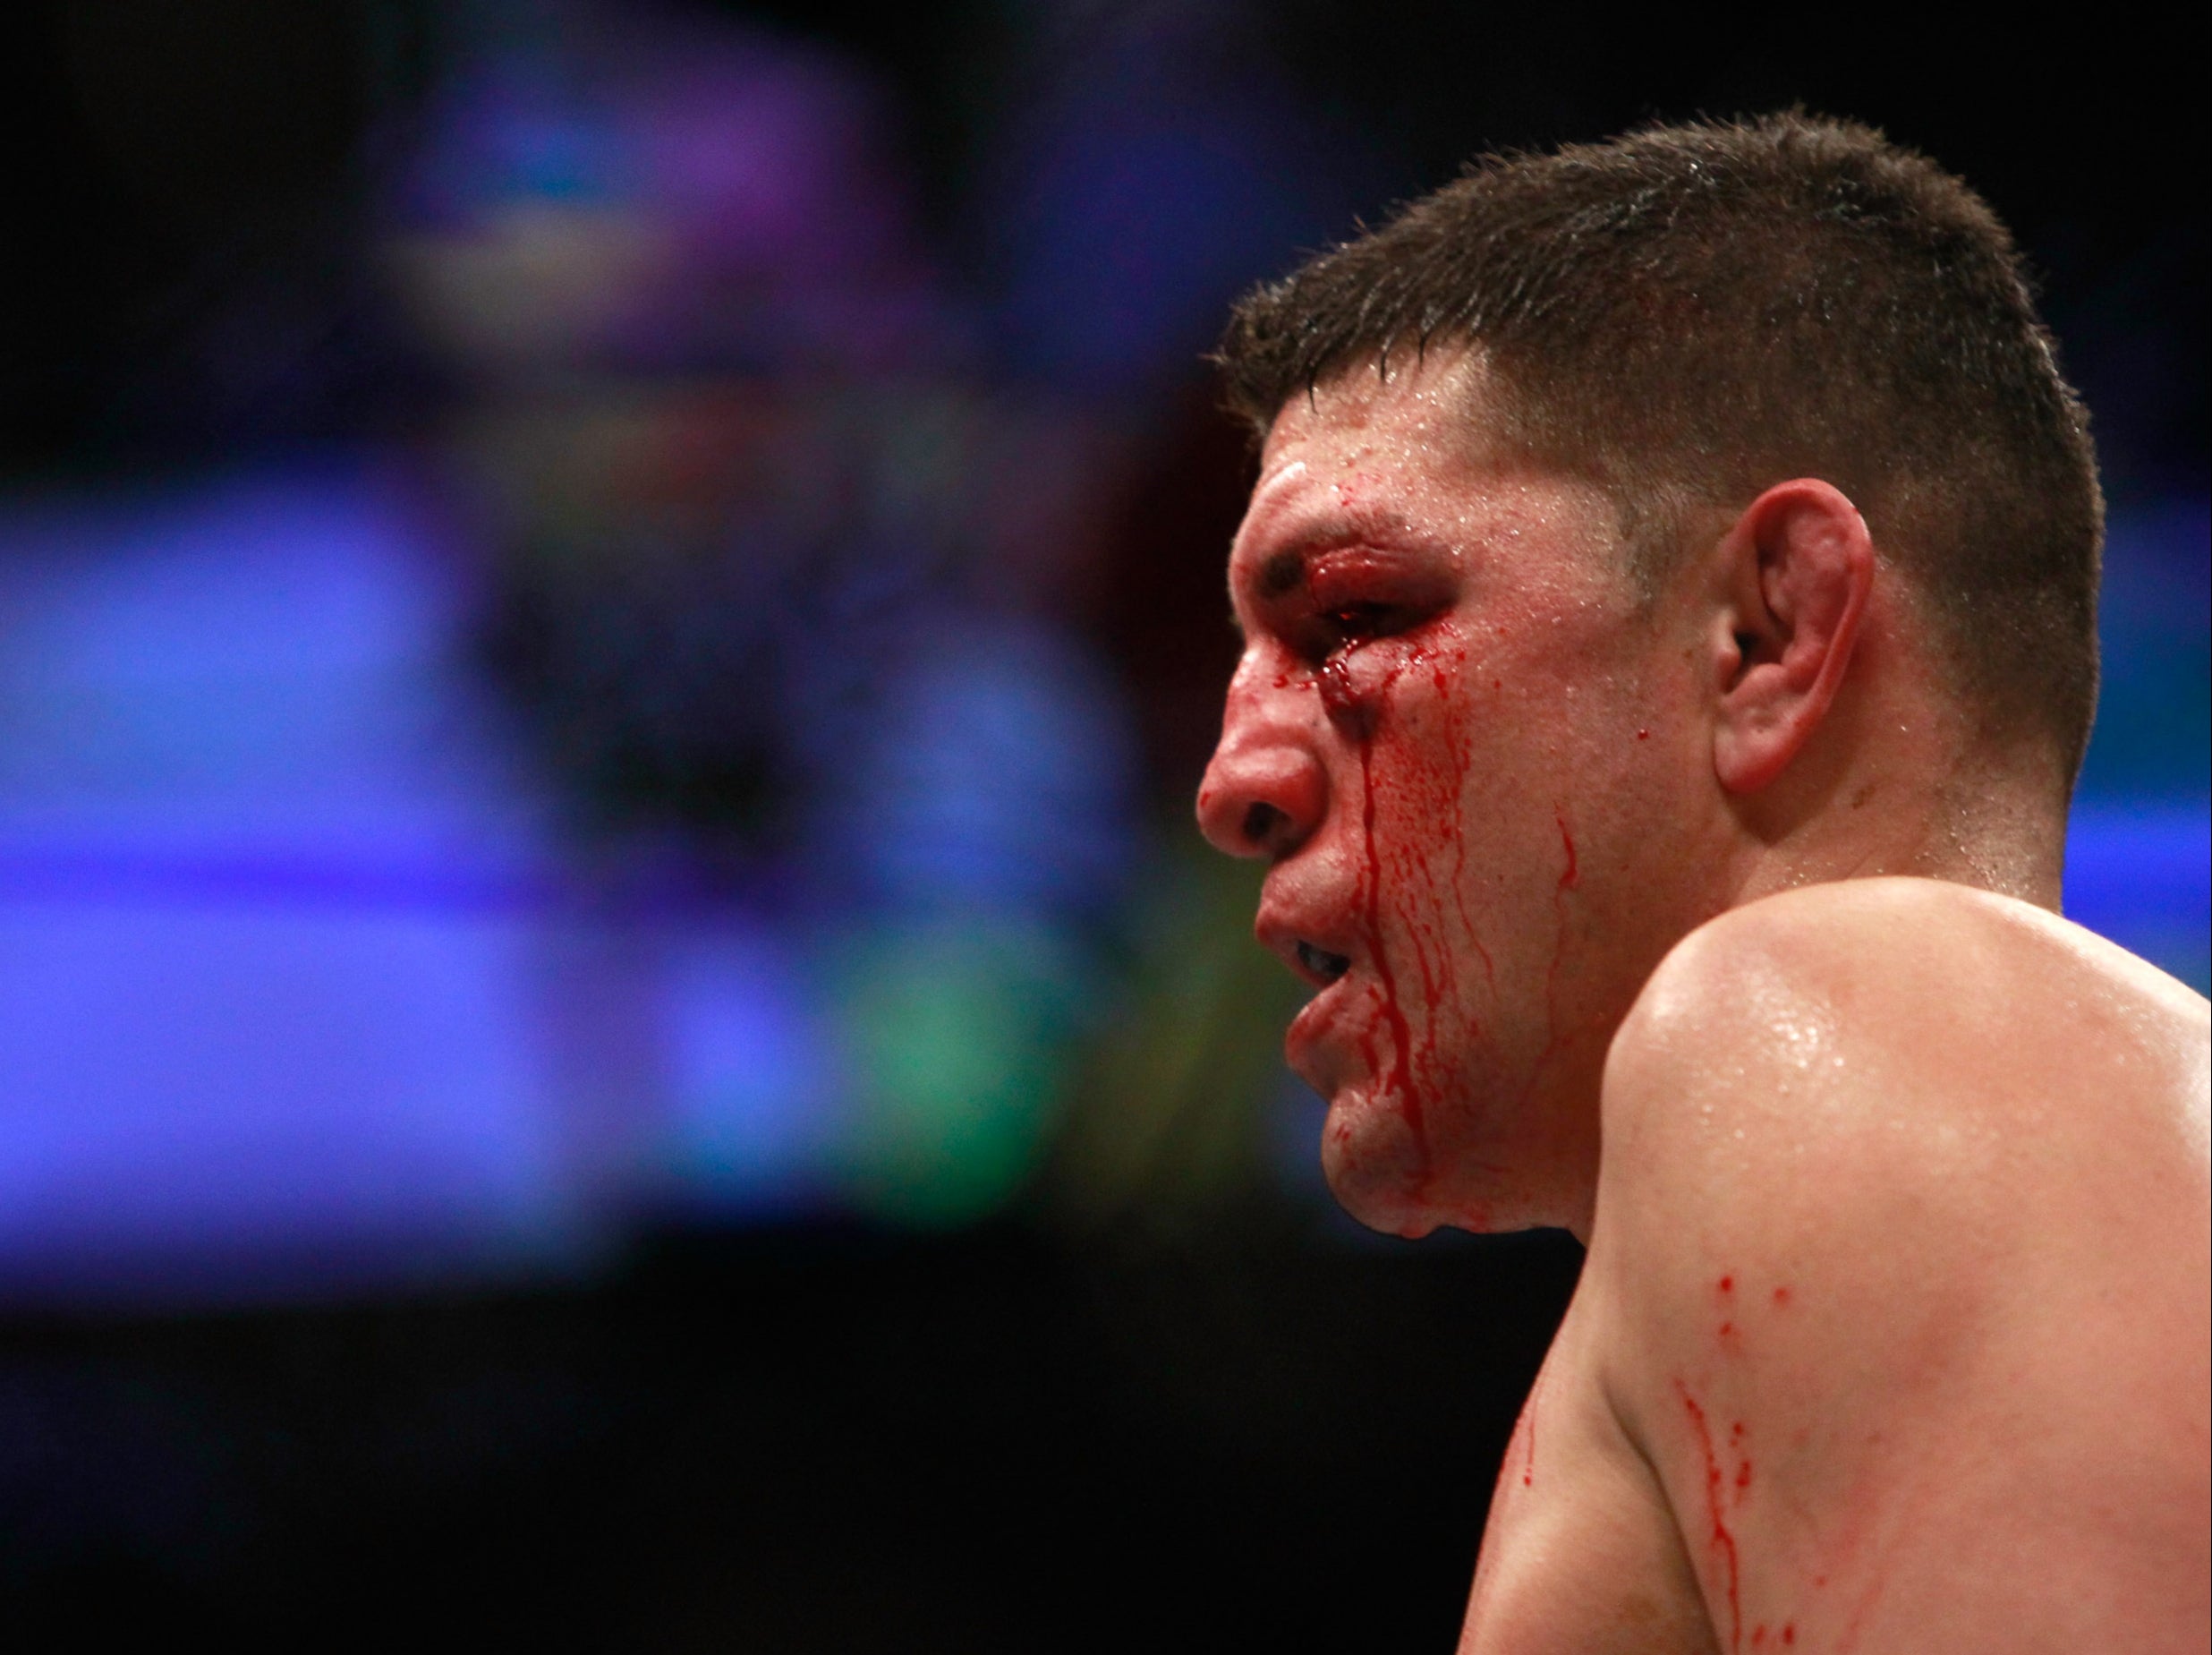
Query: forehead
(1413, 461)
(1424, 422)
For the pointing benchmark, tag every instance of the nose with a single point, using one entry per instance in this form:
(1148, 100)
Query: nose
(1266, 791)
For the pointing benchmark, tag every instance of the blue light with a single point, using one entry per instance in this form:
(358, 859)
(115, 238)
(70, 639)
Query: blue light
(2143, 875)
(273, 906)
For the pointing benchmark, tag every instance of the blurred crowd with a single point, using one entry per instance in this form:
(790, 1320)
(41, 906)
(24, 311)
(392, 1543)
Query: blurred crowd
(728, 758)
(722, 751)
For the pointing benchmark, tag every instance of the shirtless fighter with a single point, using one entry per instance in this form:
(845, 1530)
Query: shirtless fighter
(1669, 604)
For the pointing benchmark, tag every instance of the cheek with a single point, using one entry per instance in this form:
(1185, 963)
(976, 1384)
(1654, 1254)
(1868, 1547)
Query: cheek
(1425, 713)
(1482, 763)
(1455, 740)
(1426, 781)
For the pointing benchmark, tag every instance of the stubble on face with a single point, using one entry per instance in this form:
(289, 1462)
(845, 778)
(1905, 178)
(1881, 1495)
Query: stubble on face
(1448, 637)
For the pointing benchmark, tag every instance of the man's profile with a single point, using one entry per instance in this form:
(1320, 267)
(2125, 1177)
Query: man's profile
(1669, 599)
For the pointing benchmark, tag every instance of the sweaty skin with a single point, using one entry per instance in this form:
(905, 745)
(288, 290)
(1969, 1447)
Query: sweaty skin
(1703, 923)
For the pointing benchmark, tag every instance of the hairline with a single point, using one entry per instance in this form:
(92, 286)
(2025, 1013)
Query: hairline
(1652, 531)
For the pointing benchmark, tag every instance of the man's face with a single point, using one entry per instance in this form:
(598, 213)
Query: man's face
(1474, 760)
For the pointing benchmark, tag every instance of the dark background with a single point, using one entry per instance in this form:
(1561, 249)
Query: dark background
(165, 163)
(831, 1431)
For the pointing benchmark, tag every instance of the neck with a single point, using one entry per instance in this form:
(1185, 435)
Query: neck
(2003, 842)
(1901, 781)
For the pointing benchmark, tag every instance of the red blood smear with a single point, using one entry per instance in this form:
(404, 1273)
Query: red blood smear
(1410, 1072)
(1722, 1541)
(1789, 1633)
(1728, 1283)
(1336, 688)
(1337, 696)
(1782, 1295)
(1758, 1635)
(1433, 953)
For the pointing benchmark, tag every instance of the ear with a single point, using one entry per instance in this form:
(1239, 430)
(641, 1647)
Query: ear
(1796, 569)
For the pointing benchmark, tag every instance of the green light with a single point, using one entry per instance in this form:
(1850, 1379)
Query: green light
(953, 1035)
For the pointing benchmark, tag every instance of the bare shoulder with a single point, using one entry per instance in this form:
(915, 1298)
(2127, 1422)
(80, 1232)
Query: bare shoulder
(1921, 1096)
(1899, 1269)
(1943, 1013)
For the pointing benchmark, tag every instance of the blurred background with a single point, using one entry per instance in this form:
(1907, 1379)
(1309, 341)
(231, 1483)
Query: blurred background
(613, 1033)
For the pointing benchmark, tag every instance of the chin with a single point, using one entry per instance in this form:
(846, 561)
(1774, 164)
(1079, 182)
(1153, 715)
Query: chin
(1385, 1209)
(1382, 1177)
(1377, 1173)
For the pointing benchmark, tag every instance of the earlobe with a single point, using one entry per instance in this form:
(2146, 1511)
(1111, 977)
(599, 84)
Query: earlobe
(1798, 567)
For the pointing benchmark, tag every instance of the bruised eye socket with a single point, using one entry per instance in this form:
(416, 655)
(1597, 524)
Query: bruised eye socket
(1356, 597)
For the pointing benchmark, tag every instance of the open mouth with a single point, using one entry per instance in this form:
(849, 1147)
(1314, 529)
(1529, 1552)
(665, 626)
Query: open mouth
(1321, 963)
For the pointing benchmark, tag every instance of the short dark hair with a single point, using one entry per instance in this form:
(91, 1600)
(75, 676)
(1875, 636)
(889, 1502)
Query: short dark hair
(1688, 313)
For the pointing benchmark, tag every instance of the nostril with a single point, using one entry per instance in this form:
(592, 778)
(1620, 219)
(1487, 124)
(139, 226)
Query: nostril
(1261, 822)
(1262, 795)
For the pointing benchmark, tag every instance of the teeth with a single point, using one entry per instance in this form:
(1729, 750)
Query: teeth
(1321, 963)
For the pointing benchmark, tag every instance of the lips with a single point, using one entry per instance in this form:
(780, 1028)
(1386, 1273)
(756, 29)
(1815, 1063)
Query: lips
(1305, 930)
(1320, 1043)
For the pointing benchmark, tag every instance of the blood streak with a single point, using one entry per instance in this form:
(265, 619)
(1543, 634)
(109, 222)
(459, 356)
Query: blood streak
(1719, 1538)
(1337, 696)
(1453, 803)
(1571, 877)
(1528, 1424)
(1426, 777)
(1444, 783)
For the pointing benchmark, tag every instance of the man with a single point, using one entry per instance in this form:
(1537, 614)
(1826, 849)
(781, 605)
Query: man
(1669, 605)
